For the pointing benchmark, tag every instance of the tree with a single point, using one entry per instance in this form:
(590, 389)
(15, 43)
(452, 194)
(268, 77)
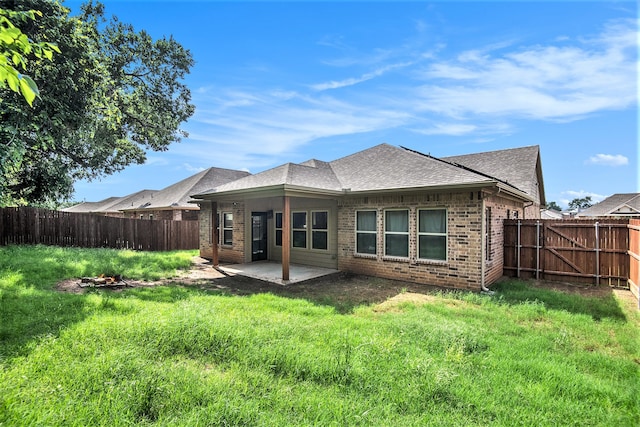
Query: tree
(15, 46)
(554, 206)
(111, 96)
(580, 203)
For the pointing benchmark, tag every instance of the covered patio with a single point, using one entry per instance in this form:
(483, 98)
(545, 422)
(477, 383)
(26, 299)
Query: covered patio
(271, 271)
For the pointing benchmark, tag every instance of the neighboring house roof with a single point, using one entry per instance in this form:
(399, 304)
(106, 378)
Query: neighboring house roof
(177, 196)
(621, 204)
(113, 204)
(92, 206)
(379, 168)
(550, 214)
(520, 167)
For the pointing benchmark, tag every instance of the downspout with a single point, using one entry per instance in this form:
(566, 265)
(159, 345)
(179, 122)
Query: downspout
(524, 209)
(483, 250)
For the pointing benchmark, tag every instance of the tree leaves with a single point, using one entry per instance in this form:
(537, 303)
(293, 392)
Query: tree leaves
(114, 94)
(14, 48)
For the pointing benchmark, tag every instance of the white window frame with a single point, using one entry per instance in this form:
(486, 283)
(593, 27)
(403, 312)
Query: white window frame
(217, 227)
(445, 234)
(319, 230)
(305, 229)
(224, 228)
(487, 233)
(276, 228)
(374, 232)
(396, 233)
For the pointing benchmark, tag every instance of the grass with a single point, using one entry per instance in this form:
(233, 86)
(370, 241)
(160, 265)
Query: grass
(184, 356)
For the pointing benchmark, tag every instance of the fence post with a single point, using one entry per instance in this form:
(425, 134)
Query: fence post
(597, 252)
(518, 245)
(537, 250)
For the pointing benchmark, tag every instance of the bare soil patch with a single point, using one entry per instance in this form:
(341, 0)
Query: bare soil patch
(340, 288)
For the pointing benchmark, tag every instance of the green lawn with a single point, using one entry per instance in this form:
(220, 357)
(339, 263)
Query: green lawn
(185, 356)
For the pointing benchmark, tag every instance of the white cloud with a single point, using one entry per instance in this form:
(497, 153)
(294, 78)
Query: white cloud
(608, 160)
(355, 80)
(479, 93)
(156, 160)
(455, 129)
(538, 82)
(461, 128)
(569, 195)
(191, 168)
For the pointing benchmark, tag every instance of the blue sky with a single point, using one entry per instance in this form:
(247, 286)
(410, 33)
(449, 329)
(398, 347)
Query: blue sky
(289, 81)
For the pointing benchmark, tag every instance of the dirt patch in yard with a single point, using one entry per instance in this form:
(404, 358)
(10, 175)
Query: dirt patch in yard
(344, 289)
(341, 289)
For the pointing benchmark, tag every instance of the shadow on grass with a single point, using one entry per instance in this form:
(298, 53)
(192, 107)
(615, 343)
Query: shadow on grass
(29, 315)
(31, 310)
(169, 293)
(604, 305)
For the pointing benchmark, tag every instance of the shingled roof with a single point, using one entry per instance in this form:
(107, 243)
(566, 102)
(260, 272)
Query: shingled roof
(114, 204)
(387, 168)
(519, 167)
(177, 196)
(621, 204)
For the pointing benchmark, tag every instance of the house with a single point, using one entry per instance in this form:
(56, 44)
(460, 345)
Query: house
(617, 205)
(113, 206)
(386, 211)
(172, 202)
(551, 214)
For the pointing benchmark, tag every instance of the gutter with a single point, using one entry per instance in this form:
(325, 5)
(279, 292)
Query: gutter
(524, 209)
(267, 191)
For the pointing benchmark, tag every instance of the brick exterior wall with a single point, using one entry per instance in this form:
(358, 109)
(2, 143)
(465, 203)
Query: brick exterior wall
(462, 269)
(226, 254)
(532, 212)
(501, 208)
(166, 214)
(205, 219)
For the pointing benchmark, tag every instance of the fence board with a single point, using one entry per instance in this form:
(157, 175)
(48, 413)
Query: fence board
(634, 257)
(27, 225)
(586, 251)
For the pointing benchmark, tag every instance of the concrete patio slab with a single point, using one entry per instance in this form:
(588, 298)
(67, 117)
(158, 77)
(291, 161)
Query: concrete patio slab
(272, 271)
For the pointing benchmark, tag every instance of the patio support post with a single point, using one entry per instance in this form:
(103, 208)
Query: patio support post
(286, 237)
(214, 233)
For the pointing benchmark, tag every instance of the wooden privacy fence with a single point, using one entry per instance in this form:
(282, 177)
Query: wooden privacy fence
(634, 257)
(597, 251)
(26, 225)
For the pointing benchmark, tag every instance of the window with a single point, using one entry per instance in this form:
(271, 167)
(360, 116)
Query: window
(278, 228)
(299, 226)
(487, 234)
(217, 225)
(141, 216)
(151, 216)
(396, 233)
(432, 234)
(319, 230)
(366, 232)
(227, 228)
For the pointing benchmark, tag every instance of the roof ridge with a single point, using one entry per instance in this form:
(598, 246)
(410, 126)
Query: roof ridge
(286, 178)
(463, 167)
(537, 146)
(627, 202)
(357, 153)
